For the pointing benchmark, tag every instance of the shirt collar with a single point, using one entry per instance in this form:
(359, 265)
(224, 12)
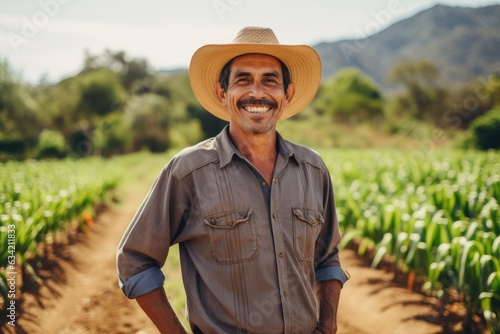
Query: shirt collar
(226, 149)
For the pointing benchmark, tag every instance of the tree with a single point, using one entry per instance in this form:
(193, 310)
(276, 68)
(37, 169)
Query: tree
(467, 103)
(419, 80)
(101, 92)
(149, 119)
(176, 87)
(60, 104)
(20, 121)
(350, 96)
(132, 71)
(112, 135)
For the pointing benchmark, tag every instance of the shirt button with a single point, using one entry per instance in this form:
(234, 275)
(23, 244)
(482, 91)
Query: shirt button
(275, 180)
(280, 254)
(274, 215)
(264, 183)
(285, 294)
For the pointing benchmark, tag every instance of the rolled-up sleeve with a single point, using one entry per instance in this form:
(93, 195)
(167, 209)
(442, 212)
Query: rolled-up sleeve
(143, 282)
(331, 273)
(144, 246)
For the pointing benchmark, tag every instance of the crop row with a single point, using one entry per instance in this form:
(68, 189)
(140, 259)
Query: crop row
(40, 201)
(434, 215)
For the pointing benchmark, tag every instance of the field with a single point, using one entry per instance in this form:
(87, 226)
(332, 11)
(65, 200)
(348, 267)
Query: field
(41, 202)
(432, 216)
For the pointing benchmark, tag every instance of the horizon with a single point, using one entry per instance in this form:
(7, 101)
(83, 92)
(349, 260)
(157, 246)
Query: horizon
(47, 39)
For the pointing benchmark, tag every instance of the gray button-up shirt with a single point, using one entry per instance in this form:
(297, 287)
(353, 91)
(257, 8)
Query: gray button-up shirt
(250, 251)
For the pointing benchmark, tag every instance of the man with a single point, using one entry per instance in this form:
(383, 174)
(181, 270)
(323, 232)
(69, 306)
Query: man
(253, 214)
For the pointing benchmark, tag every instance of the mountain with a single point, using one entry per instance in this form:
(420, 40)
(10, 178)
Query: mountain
(463, 43)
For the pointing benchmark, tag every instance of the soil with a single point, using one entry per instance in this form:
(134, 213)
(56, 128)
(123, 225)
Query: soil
(80, 294)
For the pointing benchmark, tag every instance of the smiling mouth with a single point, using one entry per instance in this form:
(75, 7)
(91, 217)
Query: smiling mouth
(257, 109)
(256, 106)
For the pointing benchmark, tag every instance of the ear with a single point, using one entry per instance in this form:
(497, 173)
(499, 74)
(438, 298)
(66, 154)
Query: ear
(289, 93)
(221, 94)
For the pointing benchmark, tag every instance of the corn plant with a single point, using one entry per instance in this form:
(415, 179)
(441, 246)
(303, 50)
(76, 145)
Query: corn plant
(41, 199)
(436, 215)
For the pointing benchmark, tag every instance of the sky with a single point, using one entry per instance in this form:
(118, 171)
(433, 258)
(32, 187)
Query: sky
(49, 38)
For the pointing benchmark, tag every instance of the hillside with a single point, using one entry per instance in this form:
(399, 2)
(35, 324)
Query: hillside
(463, 43)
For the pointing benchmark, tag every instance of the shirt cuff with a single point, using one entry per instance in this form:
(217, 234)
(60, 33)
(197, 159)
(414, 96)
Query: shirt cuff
(143, 282)
(331, 273)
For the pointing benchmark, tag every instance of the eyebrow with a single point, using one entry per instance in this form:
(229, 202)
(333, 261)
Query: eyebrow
(274, 74)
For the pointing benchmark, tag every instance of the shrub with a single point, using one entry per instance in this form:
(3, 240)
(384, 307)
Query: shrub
(486, 130)
(350, 96)
(112, 135)
(51, 144)
(149, 118)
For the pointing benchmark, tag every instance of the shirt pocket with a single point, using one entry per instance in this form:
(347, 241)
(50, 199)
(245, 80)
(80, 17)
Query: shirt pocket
(233, 236)
(306, 227)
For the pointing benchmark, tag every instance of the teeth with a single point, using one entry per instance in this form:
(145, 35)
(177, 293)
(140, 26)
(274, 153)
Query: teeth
(257, 110)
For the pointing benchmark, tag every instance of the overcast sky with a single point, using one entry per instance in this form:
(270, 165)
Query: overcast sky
(49, 37)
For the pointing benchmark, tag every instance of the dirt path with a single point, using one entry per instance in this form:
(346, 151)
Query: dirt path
(371, 303)
(80, 292)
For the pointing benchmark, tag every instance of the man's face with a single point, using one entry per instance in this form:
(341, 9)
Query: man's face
(255, 97)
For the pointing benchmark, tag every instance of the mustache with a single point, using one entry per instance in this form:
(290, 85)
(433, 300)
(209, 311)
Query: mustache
(252, 101)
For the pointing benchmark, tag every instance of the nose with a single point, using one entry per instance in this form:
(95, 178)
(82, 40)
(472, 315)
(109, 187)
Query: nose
(257, 90)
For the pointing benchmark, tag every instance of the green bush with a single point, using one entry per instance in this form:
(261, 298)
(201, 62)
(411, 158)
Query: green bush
(486, 130)
(351, 97)
(101, 92)
(149, 117)
(112, 136)
(51, 144)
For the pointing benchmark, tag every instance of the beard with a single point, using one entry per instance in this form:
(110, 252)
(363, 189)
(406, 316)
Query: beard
(259, 128)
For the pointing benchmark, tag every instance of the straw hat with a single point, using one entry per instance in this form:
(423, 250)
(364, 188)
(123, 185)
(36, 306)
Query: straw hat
(207, 62)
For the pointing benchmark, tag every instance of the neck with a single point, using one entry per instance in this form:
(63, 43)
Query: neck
(254, 145)
(259, 149)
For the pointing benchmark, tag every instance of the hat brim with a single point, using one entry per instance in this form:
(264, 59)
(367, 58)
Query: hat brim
(207, 62)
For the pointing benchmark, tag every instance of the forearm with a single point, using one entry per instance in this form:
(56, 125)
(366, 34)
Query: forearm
(157, 307)
(328, 294)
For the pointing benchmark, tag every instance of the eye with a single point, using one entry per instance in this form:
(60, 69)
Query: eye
(270, 80)
(242, 80)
